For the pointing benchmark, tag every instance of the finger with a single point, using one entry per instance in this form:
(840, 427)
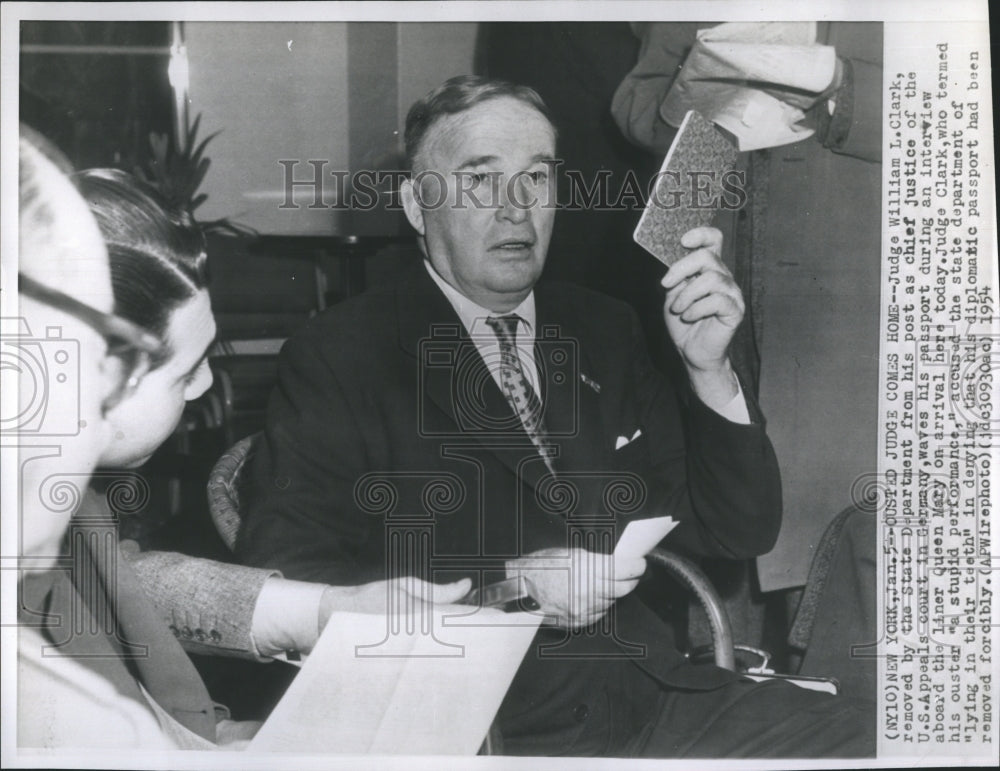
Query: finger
(426, 591)
(595, 593)
(623, 587)
(721, 307)
(414, 589)
(628, 568)
(585, 620)
(612, 589)
(692, 264)
(551, 592)
(608, 590)
(595, 609)
(589, 563)
(592, 570)
(704, 237)
(453, 592)
(707, 283)
(411, 585)
(608, 570)
(577, 618)
(556, 619)
(545, 559)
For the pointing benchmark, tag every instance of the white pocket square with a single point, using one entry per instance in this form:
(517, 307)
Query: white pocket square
(621, 441)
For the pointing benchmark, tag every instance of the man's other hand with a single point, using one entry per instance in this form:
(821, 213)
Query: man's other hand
(575, 588)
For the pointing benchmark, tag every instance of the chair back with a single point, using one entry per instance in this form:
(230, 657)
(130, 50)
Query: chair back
(223, 489)
(805, 616)
(695, 579)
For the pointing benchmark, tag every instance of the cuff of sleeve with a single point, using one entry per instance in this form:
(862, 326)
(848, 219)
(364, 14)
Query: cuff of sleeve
(852, 128)
(843, 111)
(286, 615)
(709, 426)
(735, 410)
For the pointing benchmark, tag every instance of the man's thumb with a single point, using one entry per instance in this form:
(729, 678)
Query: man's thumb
(448, 593)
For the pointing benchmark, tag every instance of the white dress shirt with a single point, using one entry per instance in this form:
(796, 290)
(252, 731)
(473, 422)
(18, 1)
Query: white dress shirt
(473, 318)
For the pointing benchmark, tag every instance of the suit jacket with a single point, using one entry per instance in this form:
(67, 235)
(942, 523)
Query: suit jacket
(389, 444)
(97, 613)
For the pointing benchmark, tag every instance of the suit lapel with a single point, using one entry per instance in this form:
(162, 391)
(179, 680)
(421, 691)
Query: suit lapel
(572, 408)
(454, 381)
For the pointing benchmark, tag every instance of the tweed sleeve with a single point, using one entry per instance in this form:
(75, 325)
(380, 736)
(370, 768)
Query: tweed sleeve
(208, 605)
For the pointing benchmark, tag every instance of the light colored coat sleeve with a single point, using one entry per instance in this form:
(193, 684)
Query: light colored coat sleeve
(208, 605)
(855, 128)
(635, 105)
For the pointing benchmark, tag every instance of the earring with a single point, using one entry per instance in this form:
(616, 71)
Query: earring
(133, 382)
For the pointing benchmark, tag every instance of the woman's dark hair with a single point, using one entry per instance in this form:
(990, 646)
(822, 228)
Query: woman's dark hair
(156, 254)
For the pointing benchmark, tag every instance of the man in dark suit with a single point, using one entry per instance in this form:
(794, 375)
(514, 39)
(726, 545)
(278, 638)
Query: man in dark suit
(464, 422)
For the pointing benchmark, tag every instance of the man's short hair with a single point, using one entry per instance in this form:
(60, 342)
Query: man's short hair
(457, 95)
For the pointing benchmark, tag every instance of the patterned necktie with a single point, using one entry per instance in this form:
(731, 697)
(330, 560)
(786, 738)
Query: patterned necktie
(521, 396)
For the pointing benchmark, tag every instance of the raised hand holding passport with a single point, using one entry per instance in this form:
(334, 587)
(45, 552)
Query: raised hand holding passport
(702, 310)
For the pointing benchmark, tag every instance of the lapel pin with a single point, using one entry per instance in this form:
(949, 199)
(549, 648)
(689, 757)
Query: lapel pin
(592, 383)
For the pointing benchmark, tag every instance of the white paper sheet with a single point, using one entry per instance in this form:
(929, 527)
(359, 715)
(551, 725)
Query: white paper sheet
(430, 689)
(642, 535)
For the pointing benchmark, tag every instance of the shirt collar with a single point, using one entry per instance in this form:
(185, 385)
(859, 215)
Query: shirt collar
(473, 316)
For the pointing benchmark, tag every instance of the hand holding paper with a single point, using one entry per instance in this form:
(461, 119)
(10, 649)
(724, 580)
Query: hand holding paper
(575, 587)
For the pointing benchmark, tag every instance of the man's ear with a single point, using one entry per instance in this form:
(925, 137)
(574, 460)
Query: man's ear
(410, 197)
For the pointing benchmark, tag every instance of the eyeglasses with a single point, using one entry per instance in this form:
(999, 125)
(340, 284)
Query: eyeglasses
(126, 340)
(120, 333)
